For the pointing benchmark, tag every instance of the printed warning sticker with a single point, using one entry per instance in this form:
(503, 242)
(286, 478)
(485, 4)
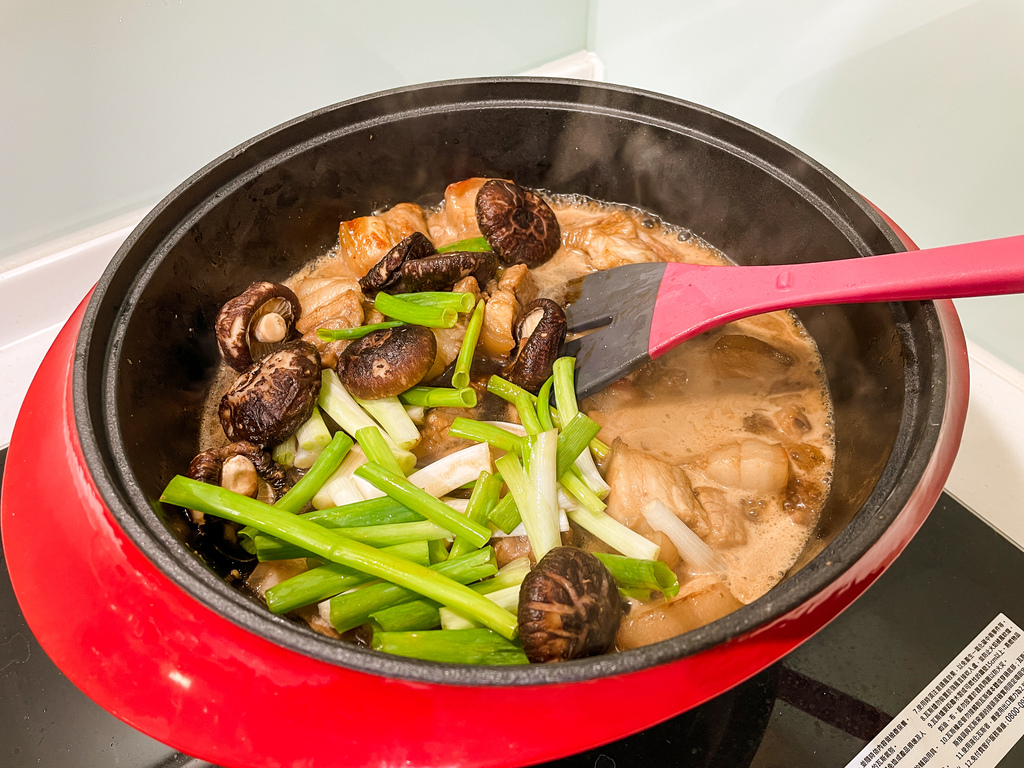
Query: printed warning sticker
(970, 715)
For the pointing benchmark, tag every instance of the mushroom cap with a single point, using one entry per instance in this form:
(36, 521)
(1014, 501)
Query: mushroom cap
(540, 333)
(237, 319)
(441, 271)
(569, 607)
(517, 223)
(274, 397)
(387, 272)
(387, 362)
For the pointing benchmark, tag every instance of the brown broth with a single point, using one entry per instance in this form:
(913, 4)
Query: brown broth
(691, 407)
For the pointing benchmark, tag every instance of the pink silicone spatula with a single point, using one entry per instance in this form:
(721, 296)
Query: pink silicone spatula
(644, 310)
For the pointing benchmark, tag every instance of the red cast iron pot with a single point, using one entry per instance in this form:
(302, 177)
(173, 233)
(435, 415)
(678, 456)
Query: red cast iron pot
(149, 630)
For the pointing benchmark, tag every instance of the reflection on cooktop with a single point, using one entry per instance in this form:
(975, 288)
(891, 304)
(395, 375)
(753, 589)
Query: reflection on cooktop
(818, 707)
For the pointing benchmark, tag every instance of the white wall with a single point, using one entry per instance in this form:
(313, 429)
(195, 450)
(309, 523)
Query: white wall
(917, 104)
(106, 105)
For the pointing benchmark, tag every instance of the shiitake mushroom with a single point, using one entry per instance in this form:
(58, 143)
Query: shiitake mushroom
(387, 362)
(517, 223)
(236, 467)
(274, 397)
(443, 270)
(388, 271)
(255, 322)
(569, 607)
(540, 334)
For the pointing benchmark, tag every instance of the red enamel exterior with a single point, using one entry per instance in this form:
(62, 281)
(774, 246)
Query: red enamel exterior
(144, 650)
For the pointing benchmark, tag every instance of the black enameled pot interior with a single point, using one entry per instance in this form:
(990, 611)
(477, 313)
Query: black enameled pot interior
(146, 352)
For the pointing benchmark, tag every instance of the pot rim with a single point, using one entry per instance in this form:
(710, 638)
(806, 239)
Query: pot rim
(107, 462)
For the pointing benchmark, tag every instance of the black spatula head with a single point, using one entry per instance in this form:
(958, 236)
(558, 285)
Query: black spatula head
(617, 307)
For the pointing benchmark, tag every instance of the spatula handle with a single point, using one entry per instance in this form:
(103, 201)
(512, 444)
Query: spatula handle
(693, 299)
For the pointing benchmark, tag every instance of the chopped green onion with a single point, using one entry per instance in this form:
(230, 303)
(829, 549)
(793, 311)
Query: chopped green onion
(461, 301)
(398, 487)
(528, 414)
(565, 394)
(407, 617)
(544, 404)
(693, 550)
(463, 363)
(350, 416)
(386, 535)
(340, 488)
(342, 334)
(509, 575)
(507, 598)
(482, 501)
(470, 245)
(455, 646)
(573, 440)
(482, 432)
(542, 450)
(330, 579)
(453, 471)
(563, 372)
(506, 516)
(630, 573)
(507, 391)
(539, 519)
(580, 491)
(394, 419)
(423, 614)
(313, 435)
(440, 397)
(615, 534)
(417, 413)
(438, 551)
(328, 545)
(329, 460)
(284, 453)
(369, 512)
(372, 442)
(417, 314)
(349, 610)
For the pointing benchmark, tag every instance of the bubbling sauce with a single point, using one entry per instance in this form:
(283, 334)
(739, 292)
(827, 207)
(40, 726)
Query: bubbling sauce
(732, 430)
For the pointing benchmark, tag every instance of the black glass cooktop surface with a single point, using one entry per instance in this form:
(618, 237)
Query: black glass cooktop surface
(815, 709)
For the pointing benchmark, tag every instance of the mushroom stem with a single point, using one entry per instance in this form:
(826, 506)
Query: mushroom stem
(238, 474)
(271, 328)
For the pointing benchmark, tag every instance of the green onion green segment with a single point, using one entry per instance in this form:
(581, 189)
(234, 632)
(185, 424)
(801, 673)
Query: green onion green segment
(631, 573)
(330, 579)
(454, 646)
(351, 609)
(416, 314)
(461, 301)
(472, 245)
(486, 433)
(482, 500)
(418, 500)
(273, 548)
(329, 459)
(344, 334)
(328, 545)
(440, 397)
(463, 363)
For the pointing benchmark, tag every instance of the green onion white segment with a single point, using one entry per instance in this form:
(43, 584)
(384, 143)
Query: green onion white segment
(692, 549)
(351, 417)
